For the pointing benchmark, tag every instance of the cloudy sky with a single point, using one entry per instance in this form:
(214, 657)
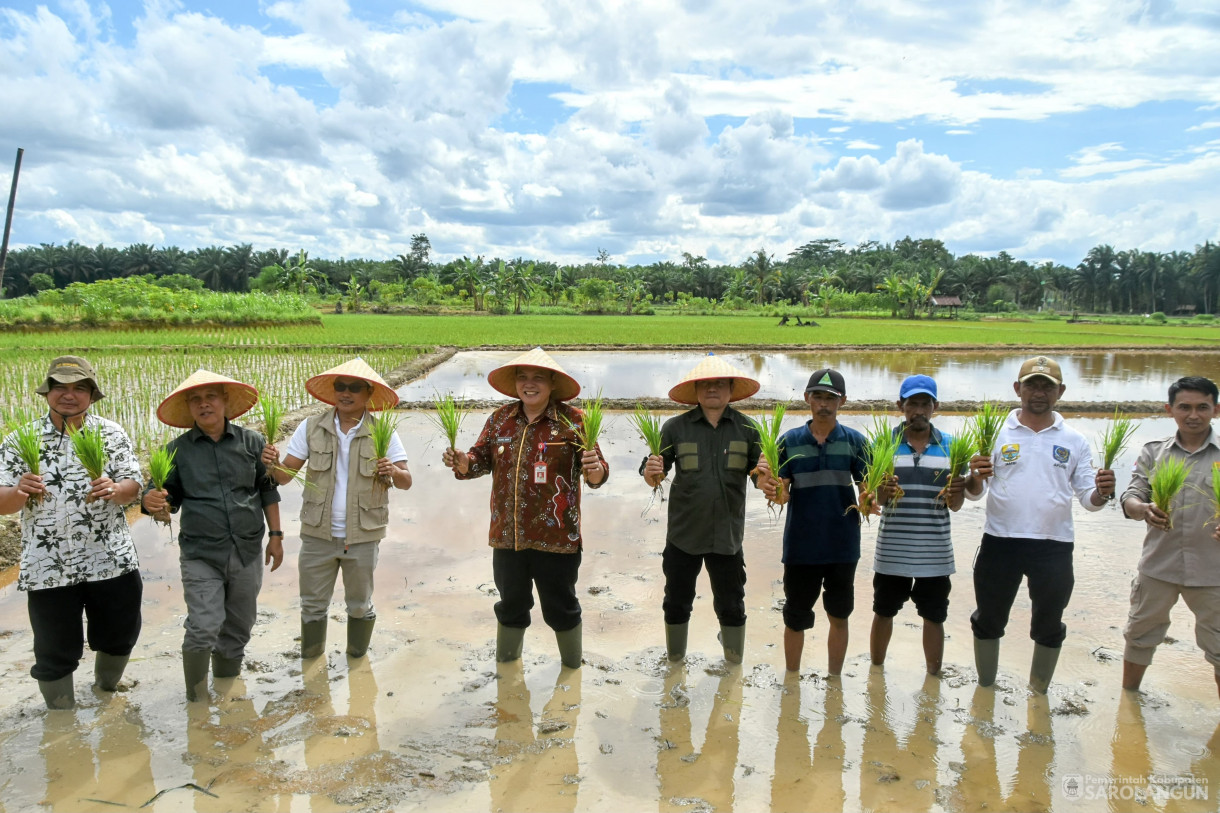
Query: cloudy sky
(552, 129)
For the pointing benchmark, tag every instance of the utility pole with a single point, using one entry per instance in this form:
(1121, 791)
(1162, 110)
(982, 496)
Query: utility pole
(8, 219)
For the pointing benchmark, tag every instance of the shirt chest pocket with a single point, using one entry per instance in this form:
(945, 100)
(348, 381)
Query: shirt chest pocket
(737, 460)
(321, 456)
(688, 456)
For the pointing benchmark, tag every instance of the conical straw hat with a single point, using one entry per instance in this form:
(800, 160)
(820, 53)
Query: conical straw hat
(322, 385)
(174, 411)
(504, 378)
(713, 367)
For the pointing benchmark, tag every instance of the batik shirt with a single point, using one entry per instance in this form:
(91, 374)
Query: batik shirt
(535, 468)
(64, 540)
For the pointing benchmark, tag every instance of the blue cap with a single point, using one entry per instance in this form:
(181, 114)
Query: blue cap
(915, 384)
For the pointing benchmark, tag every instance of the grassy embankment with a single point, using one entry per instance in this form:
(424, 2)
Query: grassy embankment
(361, 330)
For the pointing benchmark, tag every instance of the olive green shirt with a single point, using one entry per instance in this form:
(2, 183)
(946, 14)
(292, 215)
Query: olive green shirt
(707, 501)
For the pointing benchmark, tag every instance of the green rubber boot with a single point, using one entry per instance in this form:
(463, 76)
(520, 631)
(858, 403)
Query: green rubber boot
(986, 659)
(108, 670)
(675, 640)
(1042, 668)
(359, 633)
(733, 639)
(509, 643)
(313, 638)
(195, 666)
(58, 694)
(223, 667)
(571, 646)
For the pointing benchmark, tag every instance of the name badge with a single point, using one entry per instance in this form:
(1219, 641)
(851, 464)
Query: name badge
(540, 472)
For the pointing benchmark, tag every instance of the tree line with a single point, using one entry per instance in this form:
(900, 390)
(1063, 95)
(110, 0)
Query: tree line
(825, 274)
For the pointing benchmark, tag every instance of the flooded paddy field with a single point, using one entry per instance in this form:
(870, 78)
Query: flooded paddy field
(430, 721)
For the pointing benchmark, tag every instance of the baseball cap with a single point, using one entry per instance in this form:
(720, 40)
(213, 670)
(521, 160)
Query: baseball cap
(68, 370)
(1040, 366)
(827, 380)
(915, 384)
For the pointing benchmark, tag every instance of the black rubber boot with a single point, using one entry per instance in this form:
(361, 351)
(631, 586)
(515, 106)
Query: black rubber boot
(986, 659)
(675, 640)
(58, 694)
(509, 643)
(108, 670)
(571, 646)
(195, 666)
(223, 667)
(359, 633)
(313, 638)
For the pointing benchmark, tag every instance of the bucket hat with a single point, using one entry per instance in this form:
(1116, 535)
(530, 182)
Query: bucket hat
(69, 370)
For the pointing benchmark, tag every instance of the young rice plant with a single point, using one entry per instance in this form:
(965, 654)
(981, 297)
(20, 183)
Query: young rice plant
(986, 426)
(27, 436)
(385, 425)
(1114, 438)
(769, 432)
(160, 466)
(450, 413)
(589, 430)
(961, 448)
(881, 451)
(1167, 479)
(90, 447)
(649, 427)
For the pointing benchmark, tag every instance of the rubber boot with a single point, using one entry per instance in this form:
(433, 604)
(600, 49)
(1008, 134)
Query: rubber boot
(195, 666)
(733, 639)
(108, 670)
(675, 640)
(986, 659)
(223, 667)
(359, 633)
(313, 638)
(1042, 667)
(571, 646)
(59, 694)
(509, 643)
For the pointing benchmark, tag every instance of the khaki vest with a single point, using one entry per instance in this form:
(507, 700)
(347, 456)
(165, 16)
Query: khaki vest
(368, 507)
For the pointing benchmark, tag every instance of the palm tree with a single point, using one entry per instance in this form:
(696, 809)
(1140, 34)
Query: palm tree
(761, 269)
(208, 264)
(239, 266)
(139, 259)
(468, 273)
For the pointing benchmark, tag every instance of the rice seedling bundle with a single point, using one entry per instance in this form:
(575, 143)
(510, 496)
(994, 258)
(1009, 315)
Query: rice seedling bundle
(880, 452)
(450, 413)
(382, 431)
(1216, 489)
(160, 466)
(986, 426)
(271, 413)
(27, 436)
(90, 447)
(961, 448)
(1168, 478)
(649, 427)
(589, 430)
(768, 428)
(1114, 438)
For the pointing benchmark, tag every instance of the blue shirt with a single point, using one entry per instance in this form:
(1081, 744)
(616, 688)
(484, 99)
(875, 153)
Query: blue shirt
(914, 538)
(822, 527)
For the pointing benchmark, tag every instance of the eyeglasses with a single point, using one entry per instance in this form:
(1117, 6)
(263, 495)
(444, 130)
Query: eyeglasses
(353, 386)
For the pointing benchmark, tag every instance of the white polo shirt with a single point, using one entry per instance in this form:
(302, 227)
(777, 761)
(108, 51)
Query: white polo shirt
(298, 447)
(1036, 475)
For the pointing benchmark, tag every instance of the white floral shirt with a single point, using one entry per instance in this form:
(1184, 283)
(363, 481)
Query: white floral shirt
(64, 540)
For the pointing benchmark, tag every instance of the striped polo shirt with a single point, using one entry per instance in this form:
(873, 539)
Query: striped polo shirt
(914, 536)
(821, 528)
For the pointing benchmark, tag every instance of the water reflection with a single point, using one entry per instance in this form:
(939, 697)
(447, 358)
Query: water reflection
(526, 763)
(80, 776)
(870, 374)
(899, 776)
(702, 778)
(803, 781)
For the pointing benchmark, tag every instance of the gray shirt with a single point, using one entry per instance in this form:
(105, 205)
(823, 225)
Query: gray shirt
(221, 487)
(1185, 554)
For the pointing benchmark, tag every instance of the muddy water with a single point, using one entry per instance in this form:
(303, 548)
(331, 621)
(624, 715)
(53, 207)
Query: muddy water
(429, 721)
(870, 375)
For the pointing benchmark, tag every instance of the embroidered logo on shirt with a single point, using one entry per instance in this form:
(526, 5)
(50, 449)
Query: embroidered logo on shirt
(1061, 454)
(1009, 452)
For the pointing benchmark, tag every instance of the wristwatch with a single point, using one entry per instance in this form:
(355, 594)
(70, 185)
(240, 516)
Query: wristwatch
(275, 533)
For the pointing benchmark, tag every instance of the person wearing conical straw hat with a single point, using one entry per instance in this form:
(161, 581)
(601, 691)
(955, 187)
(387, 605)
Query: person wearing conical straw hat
(228, 504)
(531, 450)
(714, 448)
(345, 505)
(77, 556)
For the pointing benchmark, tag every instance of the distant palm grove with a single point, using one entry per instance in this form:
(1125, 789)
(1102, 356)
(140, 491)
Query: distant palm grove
(823, 275)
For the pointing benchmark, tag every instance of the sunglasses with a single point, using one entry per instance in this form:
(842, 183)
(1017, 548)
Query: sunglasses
(354, 386)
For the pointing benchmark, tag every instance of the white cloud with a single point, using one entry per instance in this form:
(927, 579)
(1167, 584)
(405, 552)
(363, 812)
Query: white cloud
(181, 135)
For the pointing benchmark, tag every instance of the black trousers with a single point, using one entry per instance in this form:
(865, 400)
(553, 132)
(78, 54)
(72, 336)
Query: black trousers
(726, 572)
(516, 572)
(998, 569)
(112, 607)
